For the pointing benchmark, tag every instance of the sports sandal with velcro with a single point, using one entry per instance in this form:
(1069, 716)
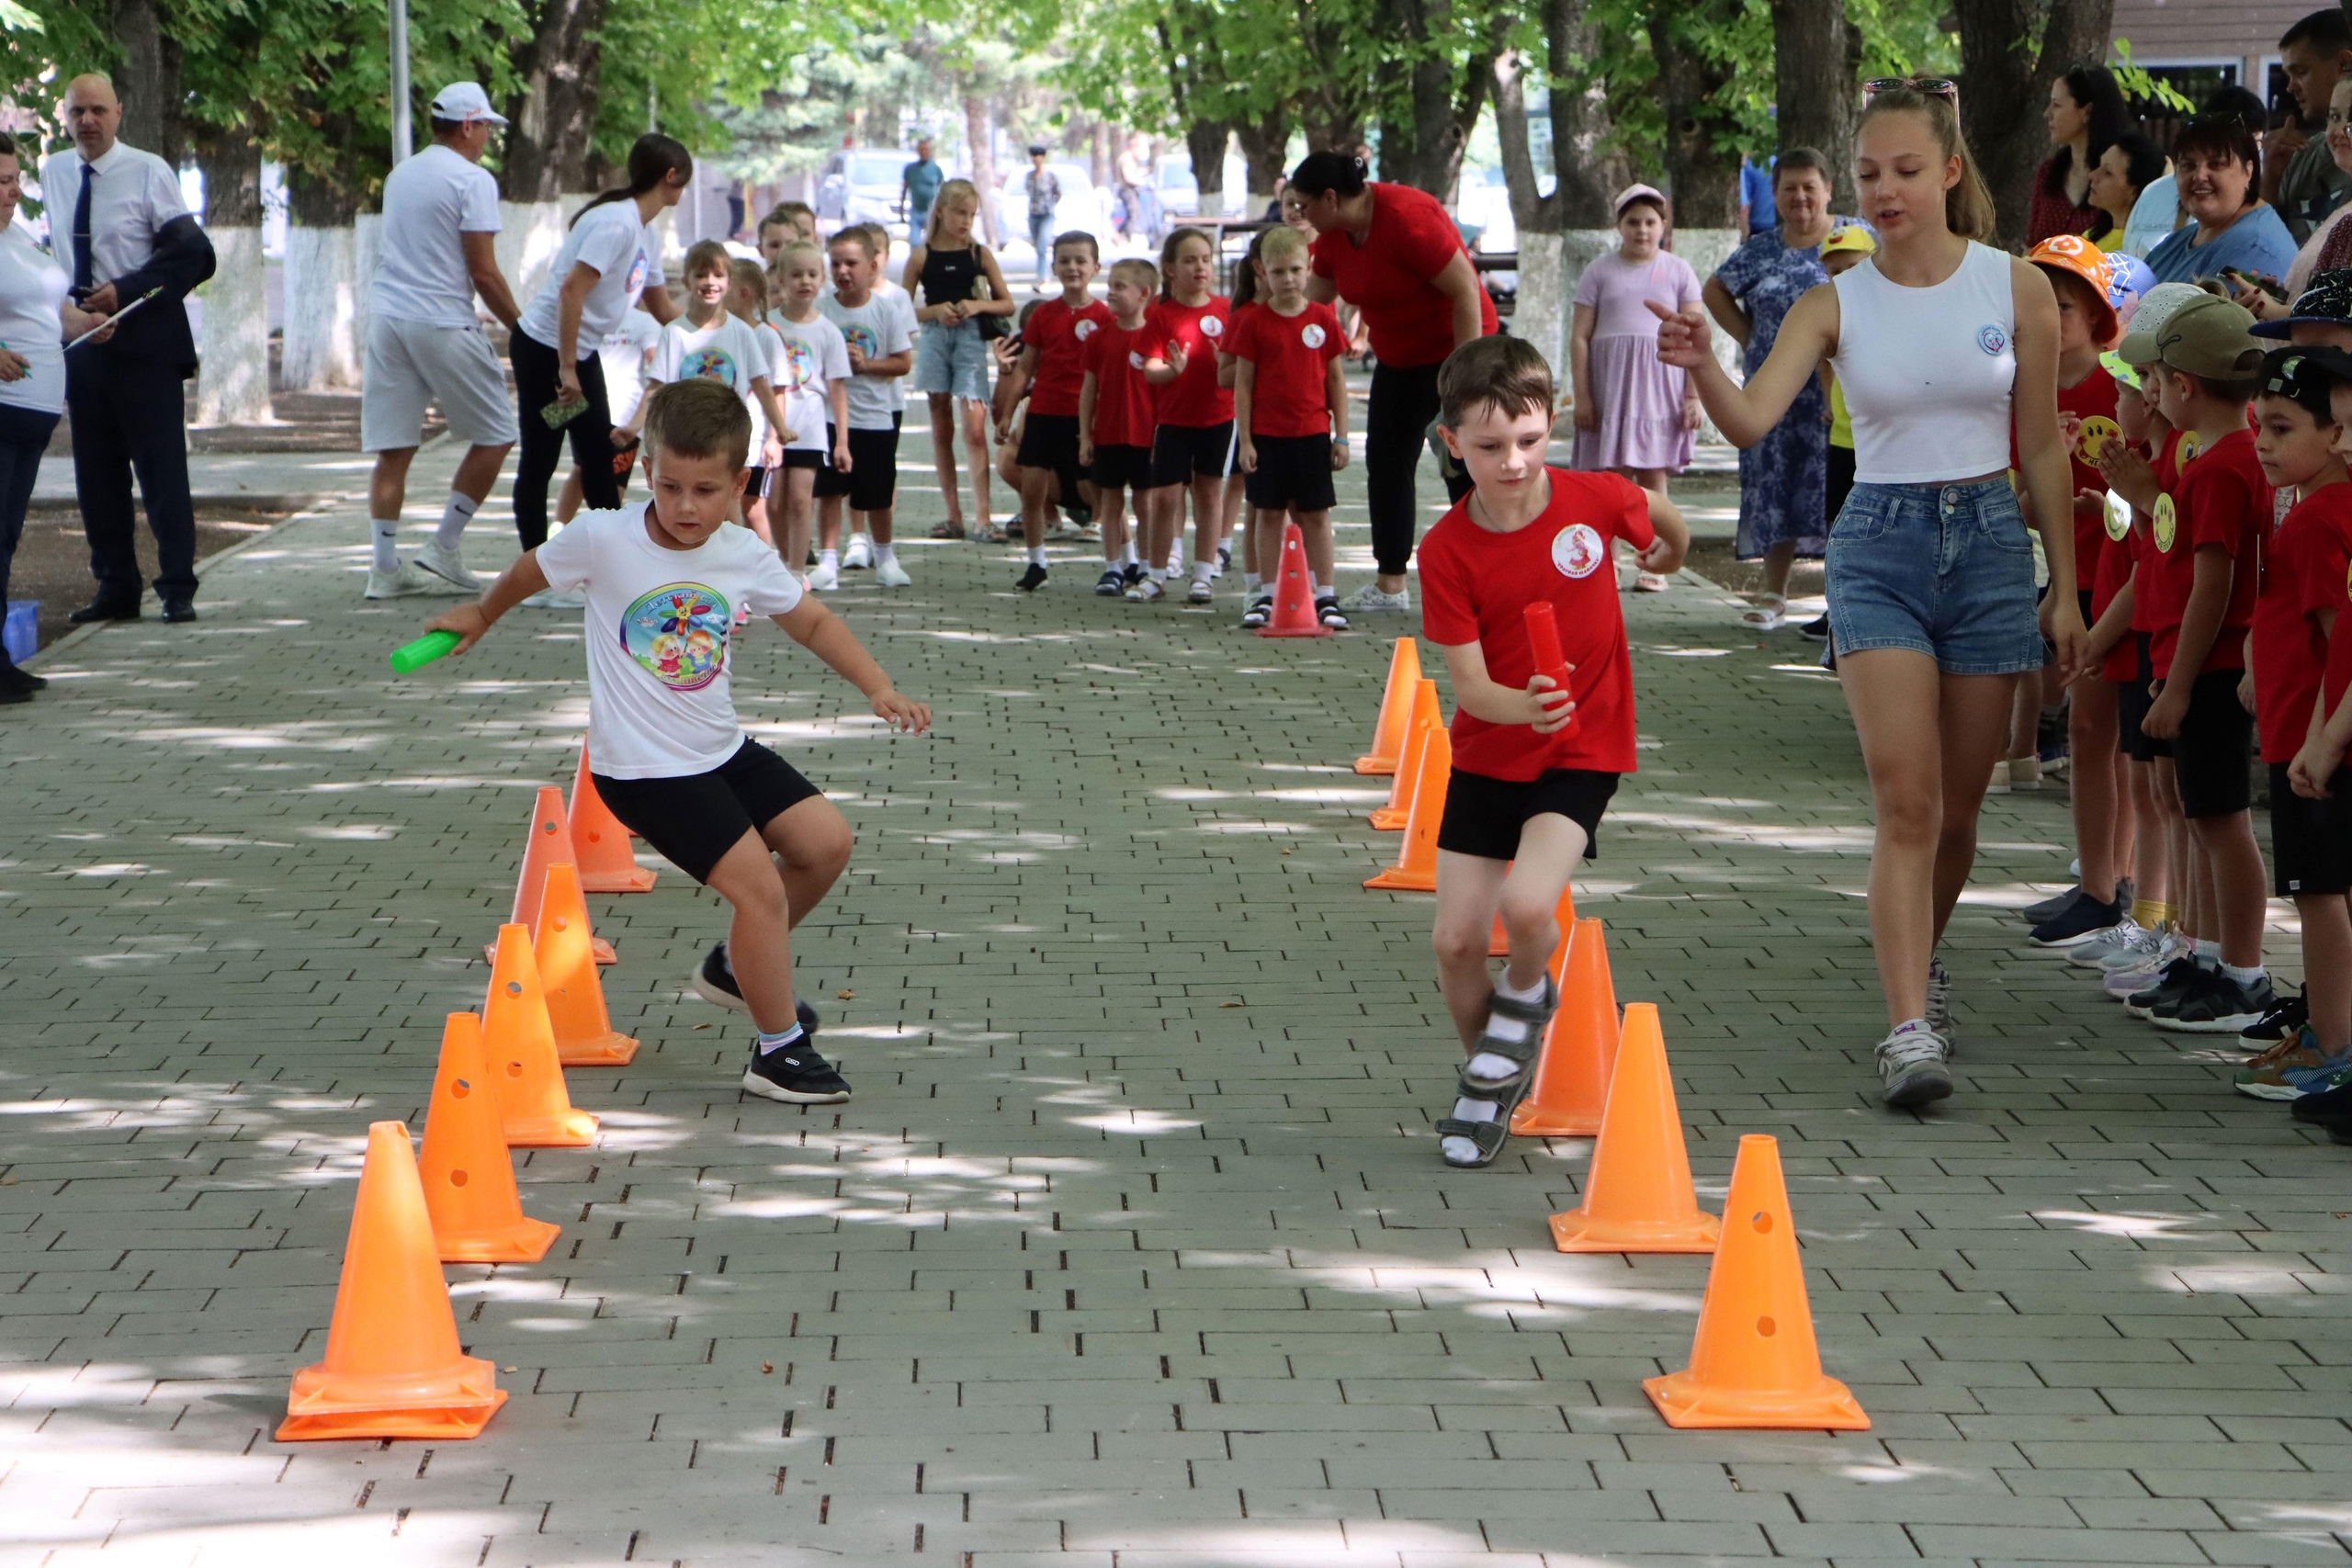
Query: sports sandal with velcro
(1504, 1093)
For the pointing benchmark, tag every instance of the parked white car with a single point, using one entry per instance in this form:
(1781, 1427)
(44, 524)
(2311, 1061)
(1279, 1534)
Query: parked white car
(1180, 193)
(860, 184)
(1083, 206)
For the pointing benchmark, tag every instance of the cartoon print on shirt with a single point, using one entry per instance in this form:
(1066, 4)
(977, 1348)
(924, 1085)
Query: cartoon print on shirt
(678, 632)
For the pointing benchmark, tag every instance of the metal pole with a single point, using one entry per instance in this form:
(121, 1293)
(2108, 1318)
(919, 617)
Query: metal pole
(402, 145)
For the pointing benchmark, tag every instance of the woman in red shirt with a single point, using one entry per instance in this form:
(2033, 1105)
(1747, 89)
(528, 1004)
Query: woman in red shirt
(1394, 254)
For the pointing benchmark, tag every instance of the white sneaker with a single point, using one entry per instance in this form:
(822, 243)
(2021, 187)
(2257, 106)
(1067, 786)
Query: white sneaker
(890, 574)
(859, 555)
(1911, 1067)
(407, 583)
(2000, 785)
(557, 599)
(2124, 933)
(1370, 598)
(824, 579)
(2145, 948)
(448, 565)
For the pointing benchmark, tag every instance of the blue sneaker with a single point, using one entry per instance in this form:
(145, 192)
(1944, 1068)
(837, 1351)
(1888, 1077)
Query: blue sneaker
(2331, 1072)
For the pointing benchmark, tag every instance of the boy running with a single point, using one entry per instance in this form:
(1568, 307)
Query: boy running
(1523, 804)
(664, 580)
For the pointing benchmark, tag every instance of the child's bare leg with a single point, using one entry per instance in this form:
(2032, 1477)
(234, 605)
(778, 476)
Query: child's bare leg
(881, 523)
(829, 523)
(1469, 890)
(2091, 732)
(810, 842)
(2123, 842)
(1208, 516)
(755, 518)
(1322, 555)
(942, 455)
(1036, 500)
(1229, 514)
(2235, 862)
(759, 937)
(800, 508)
(1110, 510)
(2152, 844)
(568, 500)
(1152, 535)
(2328, 968)
(976, 444)
(1007, 467)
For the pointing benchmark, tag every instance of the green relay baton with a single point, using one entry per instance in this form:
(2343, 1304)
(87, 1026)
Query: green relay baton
(416, 656)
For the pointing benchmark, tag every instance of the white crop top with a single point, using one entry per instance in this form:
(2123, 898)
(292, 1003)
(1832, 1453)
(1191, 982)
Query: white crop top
(1928, 373)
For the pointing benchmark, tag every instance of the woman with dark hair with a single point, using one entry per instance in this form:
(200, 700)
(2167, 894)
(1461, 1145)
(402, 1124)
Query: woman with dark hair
(2217, 169)
(610, 260)
(1393, 252)
(2087, 113)
(2130, 165)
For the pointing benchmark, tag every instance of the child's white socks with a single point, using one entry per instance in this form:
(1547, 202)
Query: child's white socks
(1037, 555)
(1203, 570)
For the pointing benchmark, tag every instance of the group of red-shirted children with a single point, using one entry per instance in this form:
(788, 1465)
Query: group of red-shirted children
(2218, 572)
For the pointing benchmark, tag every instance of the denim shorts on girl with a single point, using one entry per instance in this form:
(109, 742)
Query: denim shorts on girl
(1946, 570)
(952, 359)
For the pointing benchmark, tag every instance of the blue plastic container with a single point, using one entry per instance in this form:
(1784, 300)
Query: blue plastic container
(20, 634)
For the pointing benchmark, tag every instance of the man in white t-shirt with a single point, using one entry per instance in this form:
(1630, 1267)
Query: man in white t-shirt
(667, 586)
(440, 235)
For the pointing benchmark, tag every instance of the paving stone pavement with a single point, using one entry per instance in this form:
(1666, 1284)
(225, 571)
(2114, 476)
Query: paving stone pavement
(1134, 1247)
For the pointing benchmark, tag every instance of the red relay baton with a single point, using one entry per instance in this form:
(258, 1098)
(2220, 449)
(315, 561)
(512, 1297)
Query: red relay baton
(1544, 643)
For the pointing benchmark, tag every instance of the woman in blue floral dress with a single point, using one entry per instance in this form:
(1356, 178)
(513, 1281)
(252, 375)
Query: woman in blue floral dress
(1783, 478)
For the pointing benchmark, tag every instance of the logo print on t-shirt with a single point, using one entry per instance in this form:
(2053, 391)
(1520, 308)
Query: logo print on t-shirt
(1992, 339)
(1311, 335)
(1577, 550)
(708, 365)
(1134, 359)
(1212, 326)
(635, 273)
(2168, 523)
(2119, 524)
(860, 337)
(799, 366)
(2092, 438)
(679, 633)
(1084, 328)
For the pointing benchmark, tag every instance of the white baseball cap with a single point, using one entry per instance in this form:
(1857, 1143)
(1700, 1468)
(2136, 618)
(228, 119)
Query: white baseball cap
(464, 101)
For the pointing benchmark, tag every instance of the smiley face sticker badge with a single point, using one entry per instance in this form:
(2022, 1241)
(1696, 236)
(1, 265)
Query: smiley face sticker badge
(2095, 433)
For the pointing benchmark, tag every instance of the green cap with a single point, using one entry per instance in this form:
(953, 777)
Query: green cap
(2206, 336)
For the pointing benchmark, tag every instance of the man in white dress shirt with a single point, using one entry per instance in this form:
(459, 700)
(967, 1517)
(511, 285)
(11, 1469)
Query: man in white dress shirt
(119, 228)
(439, 249)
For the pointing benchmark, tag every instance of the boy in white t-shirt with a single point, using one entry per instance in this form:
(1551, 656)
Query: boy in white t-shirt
(666, 581)
(812, 374)
(709, 344)
(879, 326)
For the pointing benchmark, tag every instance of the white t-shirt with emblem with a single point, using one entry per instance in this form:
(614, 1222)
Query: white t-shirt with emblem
(613, 241)
(814, 354)
(881, 327)
(727, 351)
(658, 623)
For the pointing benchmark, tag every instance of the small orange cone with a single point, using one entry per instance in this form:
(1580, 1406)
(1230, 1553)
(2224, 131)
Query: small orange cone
(1389, 735)
(550, 841)
(1293, 592)
(1579, 1047)
(1637, 1195)
(518, 1041)
(1754, 1361)
(601, 842)
(1415, 867)
(583, 1035)
(469, 1176)
(1427, 715)
(393, 1365)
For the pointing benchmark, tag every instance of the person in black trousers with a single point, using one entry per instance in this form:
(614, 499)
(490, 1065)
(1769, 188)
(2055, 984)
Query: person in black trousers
(121, 231)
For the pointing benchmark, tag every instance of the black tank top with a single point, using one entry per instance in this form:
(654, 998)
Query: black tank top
(948, 275)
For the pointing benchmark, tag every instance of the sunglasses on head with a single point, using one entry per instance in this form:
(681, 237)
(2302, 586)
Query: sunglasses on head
(1942, 87)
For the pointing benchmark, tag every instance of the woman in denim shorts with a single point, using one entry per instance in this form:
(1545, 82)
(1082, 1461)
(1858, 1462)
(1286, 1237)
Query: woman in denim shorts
(1944, 347)
(959, 284)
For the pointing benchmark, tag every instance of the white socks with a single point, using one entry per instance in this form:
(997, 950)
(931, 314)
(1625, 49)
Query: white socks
(885, 554)
(1128, 556)
(2246, 976)
(454, 518)
(1249, 583)
(1202, 569)
(1038, 556)
(384, 534)
(830, 559)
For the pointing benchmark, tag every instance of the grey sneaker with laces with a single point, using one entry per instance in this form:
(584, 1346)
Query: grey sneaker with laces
(1911, 1068)
(1939, 1018)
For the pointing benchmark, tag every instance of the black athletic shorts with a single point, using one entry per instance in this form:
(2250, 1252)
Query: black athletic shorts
(1122, 468)
(1292, 472)
(1050, 441)
(1483, 816)
(2311, 841)
(1181, 453)
(692, 819)
(807, 456)
(872, 482)
(2210, 754)
(2132, 700)
(755, 483)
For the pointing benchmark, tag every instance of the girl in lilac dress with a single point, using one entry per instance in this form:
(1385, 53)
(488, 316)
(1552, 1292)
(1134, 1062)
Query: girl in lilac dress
(1632, 415)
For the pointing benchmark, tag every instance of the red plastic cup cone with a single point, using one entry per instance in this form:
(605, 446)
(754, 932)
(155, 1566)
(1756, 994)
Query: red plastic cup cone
(584, 1036)
(1293, 592)
(1637, 1195)
(1754, 1361)
(393, 1365)
(534, 1108)
(467, 1175)
(606, 864)
(1396, 710)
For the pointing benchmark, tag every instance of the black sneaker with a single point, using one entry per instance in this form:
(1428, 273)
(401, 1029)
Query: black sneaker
(1130, 575)
(714, 982)
(1111, 584)
(2331, 1109)
(1225, 557)
(795, 1075)
(1032, 578)
(1328, 611)
(2283, 1022)
(2084, 919)
(1816, 628)
(2165, 1007)
(2171, 984)
(2050, 909)
(2222, 1006)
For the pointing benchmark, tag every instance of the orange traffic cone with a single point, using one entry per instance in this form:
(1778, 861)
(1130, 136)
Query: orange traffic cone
(393, 1365)
(1293, 592)
(1388, 737)
(1415, 867)
(1427, 715)
(1637, 1196)
(550, 841)
(601, 842)
(469, 1176)
(1754, 1361)
(518, 1041)
(1579, 1047)
(583, 1035)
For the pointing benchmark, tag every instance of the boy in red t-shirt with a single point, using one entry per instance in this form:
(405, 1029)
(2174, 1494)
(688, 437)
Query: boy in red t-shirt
(1051, 372)
(1115, 420)
(1527, 791)
(2208, 533)
(1290, 413)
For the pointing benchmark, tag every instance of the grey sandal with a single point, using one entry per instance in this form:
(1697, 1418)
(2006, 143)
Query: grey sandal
(1488, 1136)
(1534, 1016)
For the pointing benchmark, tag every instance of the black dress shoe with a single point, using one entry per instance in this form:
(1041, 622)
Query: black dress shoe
(179, 607)
(105, 610)
(9, 694)
(15, 678)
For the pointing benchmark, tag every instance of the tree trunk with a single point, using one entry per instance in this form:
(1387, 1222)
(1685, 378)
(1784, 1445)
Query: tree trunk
(980, 145)
(321, 345)
(1705, 179)
(232, 365)
(1205, 140)
(1265, 144)
(148, 82)
(1816, 58)
(2004, 87)
(1098, 156)
(544, 154)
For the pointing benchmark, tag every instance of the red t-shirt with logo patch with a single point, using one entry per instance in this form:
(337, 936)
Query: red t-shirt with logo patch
(1058, 334)
(1391, 277)
(2116, 557)
(2298, 553)
(2327, 585)
(2221, 499)
(1476, 587)
(1194, 400)
(1123, 415)
(1291, 355)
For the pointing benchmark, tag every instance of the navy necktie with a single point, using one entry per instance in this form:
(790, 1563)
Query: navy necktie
(84, 278)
